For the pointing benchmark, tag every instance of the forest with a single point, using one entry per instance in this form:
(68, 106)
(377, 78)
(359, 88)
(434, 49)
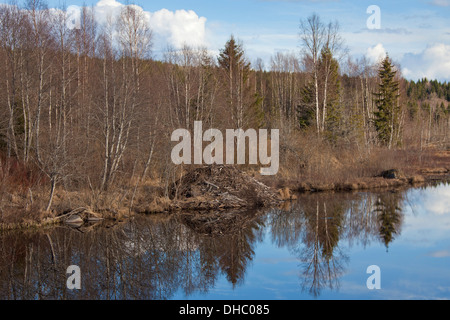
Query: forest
(86, 114)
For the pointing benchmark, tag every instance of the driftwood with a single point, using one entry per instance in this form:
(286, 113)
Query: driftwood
(71, 213)
(79, 216)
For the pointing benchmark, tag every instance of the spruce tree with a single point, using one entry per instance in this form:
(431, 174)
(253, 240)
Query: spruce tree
(330, 110)
(305, 110)
(237, 71)
(333, 124)
(386, 117)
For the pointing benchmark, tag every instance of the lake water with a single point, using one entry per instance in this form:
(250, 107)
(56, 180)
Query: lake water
(318, 247)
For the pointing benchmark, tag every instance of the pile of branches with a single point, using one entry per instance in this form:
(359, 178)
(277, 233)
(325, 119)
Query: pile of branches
(221, 187)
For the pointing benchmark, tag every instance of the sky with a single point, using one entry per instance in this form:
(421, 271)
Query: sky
(415, 33)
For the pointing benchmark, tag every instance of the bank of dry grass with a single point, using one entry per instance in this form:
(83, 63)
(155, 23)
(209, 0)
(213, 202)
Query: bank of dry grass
(340, 169)
(317, 169)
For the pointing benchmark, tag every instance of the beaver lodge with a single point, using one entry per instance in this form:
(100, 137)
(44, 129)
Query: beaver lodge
(220, 187)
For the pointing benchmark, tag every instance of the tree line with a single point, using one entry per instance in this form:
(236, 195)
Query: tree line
(90, 109)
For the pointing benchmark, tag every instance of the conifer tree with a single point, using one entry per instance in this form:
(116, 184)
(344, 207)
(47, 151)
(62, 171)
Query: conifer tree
(306, 110)
(332, 110)
(237, 70)
(386, 117)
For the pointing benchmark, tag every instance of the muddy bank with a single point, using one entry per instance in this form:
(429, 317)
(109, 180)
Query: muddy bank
(221, 188)
(387, 179)
(216, 188)
(208, 191)
(82, 219)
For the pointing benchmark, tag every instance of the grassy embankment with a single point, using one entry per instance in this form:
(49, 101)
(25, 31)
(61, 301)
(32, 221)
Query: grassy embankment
(322, 171)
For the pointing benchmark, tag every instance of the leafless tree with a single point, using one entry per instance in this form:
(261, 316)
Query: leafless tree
(122, 87)
(313, 37)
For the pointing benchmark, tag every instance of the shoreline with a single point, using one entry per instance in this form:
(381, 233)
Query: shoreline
(84, 216)
(379, 182)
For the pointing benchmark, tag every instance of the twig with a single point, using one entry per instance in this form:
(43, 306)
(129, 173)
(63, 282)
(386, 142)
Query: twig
(211, 184)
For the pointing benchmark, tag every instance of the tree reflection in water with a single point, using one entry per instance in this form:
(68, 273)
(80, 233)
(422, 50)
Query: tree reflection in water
(155, 257)
(315, 225)
(390, 217)
(146, 258)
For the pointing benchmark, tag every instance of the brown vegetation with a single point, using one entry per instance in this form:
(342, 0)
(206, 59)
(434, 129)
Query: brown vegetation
(86, 117)
(380, 169)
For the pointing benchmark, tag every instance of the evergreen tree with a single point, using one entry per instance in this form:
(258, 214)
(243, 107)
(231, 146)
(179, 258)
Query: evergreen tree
(333, 110)
(254, 117)
(413, 108)
(443, 109)
(330, 110)
(386, 117)
(237, 70)
(305, 110)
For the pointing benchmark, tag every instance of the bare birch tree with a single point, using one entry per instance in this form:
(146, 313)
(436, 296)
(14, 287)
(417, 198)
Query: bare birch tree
(313, 37)
(122, 85)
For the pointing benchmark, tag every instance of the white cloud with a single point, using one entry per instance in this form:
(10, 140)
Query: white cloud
(376, 53)
(169, 27)
(109, 3)
(438, 202)
(432, 63)
(179, 27)
(427, 218)
(440, 254)
(107, 9)
(441, 3)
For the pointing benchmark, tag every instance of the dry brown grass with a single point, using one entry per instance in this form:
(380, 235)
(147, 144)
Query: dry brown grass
(309, 163)
(306, 164)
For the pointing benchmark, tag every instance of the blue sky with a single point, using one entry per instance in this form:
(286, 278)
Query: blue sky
(415, 33)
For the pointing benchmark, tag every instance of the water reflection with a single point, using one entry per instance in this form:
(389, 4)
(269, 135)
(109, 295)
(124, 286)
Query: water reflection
(389, 214)
(315, 225)
(319, 221)
(146, 258)
(155, 257)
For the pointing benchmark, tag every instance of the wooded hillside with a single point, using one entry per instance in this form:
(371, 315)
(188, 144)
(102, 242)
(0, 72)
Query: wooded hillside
(89, 111)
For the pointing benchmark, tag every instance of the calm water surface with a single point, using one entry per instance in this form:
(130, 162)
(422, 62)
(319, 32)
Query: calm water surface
(316, 248)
